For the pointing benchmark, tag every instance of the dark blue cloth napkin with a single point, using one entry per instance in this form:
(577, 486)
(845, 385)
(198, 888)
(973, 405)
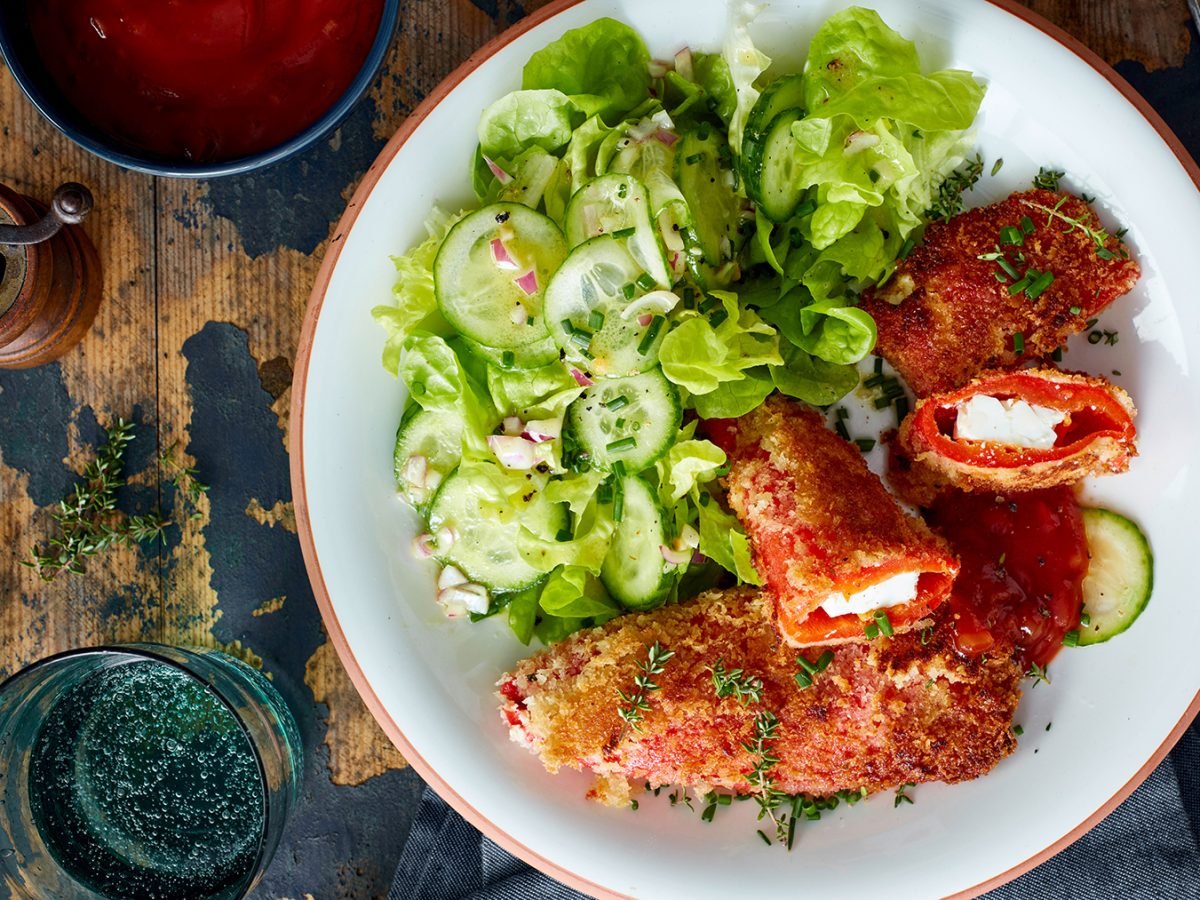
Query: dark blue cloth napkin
(1148, 847)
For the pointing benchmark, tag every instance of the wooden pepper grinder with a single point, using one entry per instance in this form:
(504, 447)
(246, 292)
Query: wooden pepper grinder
(49, 276)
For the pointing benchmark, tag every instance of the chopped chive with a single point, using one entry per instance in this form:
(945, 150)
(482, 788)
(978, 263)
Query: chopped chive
(1111, 337)
(1085, 619)
(1076, 310)
(1095, 337)
(809, 667)
(842, 413)
(628, 291)
(625, 443)
(1048, 724)
(1027, 224)
(652, 331)
(724, 799)
(709, 812)
(882, 403)
(766, 840)
(1040, 284)
(865, 444)
(620, 422)
(618, 467)
(803, 679)
(1071, 639)
(901, 408)
(633, 805)
(581, 337)
(871, 631)
(1018, 730)
(885, 624)
(1007, 267)
(622, 190)
(596, 320)
(1057, 354)
(879, 365)
(824, 660)
(507, 359)
(1011, 235)
(604, 493)
(1000, 277)
(840, 427)
(694, 158)
(717, 318)
(1018, 343)
(618, 510)
(644, 281)
(1092, 323)
(625, 232)
(1020, 284)
(617, 402)
(997, 166)
(875, 380)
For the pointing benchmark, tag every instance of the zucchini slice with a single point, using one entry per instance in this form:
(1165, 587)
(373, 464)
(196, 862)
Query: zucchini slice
(1120, 575)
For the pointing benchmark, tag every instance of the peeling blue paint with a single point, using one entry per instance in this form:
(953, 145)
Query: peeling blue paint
(34, 411)
(292, 204)
(236, 441)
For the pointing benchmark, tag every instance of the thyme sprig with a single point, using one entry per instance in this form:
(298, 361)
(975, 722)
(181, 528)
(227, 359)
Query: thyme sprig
(1048, 179)
(1099, 236)
(1038, 674)
(949, 202)
(183, 477)
(762, 781)
(88, 521)
(736, 683)
(636, 702)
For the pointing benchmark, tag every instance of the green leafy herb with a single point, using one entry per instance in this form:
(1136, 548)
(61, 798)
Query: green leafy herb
(901, 796)
(1098, 236)
(1047, 179)
(949, 202)
(736, 683)
(183, 477)
(1038, 674)
(88, 521)
(768, 797)
(636, 702)
(997, 166)
(1071, 639)
(1018, 730)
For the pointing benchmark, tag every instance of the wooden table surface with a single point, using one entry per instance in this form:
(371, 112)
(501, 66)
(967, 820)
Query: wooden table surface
(205, 287)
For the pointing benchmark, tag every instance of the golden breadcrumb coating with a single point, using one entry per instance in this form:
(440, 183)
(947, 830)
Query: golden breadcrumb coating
(943, 317)
(894, 711)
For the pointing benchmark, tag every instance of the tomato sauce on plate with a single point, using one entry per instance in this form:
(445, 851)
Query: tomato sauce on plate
(1024, 558)
(203, 80)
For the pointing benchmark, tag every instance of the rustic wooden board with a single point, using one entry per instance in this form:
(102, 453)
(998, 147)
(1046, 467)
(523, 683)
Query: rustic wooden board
(205, 287)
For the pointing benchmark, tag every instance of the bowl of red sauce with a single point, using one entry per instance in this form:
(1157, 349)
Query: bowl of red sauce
(195, 88)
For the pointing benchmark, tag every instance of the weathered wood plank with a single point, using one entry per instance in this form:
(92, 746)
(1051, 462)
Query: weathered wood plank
(50, 416)
(1151, 32)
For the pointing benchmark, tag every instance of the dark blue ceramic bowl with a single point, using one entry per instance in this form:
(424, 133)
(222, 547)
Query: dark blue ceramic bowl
(21, 56)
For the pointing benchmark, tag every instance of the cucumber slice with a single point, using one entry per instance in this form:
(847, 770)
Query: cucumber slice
(479, 297)
(530, 356)
(780, 191)
(584, 307)
(486, 545)
(705, 177)
(434, 436)
(634, 571)
(785, 94)
(617, 203)
(633, 421)
(1120, 575)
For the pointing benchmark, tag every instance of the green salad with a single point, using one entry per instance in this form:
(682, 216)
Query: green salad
(657, 243)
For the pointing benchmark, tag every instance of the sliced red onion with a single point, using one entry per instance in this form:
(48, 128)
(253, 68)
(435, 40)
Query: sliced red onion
(449, 577)
(645, 319)
(541, 430)
(519, 315)
(445, 538)
(698, 557)
(657, 68)
(643, 129)
(660, 302)
(528, 283)
(676, 259)
(689, 537)
(432, 479)
(513, 425)
(512, 452)
(581, 379)
(859, 141)
(469, 597)
(416, 469)
(666, 137)
(423, 546)
(683, 64)
(502, 257)
(675, 557)
(501, 176)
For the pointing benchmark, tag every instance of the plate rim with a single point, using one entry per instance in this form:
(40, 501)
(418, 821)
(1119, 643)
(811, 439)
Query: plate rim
(312, 563)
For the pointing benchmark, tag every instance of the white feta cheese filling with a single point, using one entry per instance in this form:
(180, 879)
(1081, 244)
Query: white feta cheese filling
(1012, 422)
(901, 588)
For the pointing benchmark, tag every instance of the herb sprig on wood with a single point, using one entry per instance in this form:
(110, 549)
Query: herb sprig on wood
(88, 521)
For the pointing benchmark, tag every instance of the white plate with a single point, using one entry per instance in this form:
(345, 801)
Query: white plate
(1114, 707)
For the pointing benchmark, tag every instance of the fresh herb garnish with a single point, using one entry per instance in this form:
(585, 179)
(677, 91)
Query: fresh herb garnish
(88, 521)
(762, 781)
(949, 202)
(736, 683)
(1047, 179)
(1038, 674)
(1017, 730)
(1071, 639)
(901, 796)
(810, 669)
(1099, 236)
(997, 166)
(636, 702)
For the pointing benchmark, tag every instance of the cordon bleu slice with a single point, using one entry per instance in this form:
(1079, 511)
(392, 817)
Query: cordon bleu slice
(882, 714)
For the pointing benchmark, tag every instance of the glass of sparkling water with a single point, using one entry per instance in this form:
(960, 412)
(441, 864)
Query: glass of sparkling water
(142, 771)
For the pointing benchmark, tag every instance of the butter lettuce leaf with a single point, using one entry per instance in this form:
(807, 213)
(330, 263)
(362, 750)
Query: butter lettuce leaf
(524, 119)
(700, 356)
(603, 67)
